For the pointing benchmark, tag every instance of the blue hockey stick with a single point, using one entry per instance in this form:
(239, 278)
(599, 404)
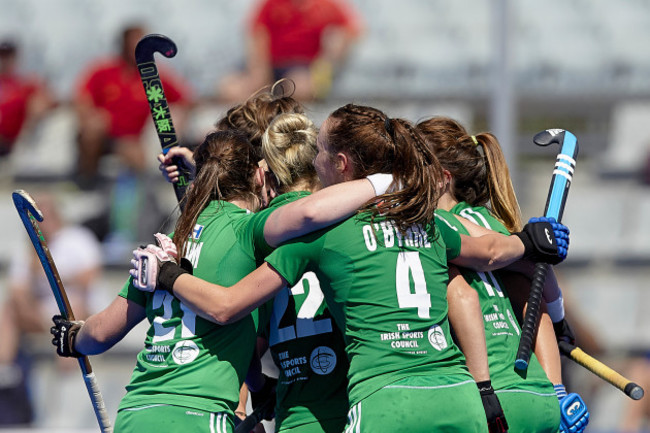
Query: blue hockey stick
(557, 195)
(30, 216)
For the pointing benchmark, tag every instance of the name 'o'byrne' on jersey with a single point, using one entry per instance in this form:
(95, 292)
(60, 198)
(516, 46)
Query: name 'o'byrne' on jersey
(386, 231)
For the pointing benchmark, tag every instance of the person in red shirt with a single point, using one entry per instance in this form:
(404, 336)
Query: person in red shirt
(23, 98)
(113, 110)
(304, 40)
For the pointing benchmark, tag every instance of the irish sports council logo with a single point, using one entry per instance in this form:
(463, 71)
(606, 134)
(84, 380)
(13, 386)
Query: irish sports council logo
(322, 360)
(437, 338)
(185, 352)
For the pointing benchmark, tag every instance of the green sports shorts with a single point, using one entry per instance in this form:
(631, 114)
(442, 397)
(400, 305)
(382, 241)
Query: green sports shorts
(158, 418)
(445, 403)
(332, 425)
(530, 412)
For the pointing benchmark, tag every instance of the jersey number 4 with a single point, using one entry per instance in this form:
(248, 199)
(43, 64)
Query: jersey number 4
(409, 273)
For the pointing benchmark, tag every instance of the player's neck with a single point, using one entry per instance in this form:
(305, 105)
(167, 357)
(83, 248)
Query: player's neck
(251, 205)
(447, 201)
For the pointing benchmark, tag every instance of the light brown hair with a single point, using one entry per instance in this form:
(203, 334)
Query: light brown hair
(254, 115)
(480, 179)
(289, 148)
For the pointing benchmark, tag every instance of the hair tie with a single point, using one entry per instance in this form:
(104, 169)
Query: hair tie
(474, 140)
(389, 126)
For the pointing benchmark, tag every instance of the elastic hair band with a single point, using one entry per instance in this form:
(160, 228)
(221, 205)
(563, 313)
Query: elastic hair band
(474, 140)
(389, 126)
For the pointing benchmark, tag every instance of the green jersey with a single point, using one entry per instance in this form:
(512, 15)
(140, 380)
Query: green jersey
(387, 293)
(502, 331)
(186, 360)
(304, 342)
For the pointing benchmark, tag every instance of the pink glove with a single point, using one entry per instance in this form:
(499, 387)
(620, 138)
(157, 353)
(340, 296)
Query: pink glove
(167, 244)
(147, 261)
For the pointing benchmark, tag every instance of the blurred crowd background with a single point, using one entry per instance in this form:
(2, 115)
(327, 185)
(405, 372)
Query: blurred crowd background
(511, 67)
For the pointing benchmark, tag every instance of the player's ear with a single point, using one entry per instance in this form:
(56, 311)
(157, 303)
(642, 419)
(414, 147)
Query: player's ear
(343, 164)
(260, 176)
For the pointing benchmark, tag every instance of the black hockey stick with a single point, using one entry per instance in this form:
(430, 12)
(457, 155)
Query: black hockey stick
(254, 418)
(557, 195)
(158, 105)
(629, 388)
(30, 214)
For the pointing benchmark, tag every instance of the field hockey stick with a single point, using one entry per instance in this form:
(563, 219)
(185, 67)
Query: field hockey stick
(158, 105)
(629, 388)
(30, 214)
(254, 418)
(560, 182)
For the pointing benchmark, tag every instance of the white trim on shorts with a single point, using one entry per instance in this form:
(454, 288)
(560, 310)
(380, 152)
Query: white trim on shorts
(218, 422)
(524, 391)
(354, 419)
(430, 387)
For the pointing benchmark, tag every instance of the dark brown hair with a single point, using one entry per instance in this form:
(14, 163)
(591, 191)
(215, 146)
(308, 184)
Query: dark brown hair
(378, 144)
(225, 169)
(480, 179)
(254, 116)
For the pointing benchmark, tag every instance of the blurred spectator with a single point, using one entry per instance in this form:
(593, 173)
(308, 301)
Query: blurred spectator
(30, 304)
(23, 98)
(113, 110)
(304, 40)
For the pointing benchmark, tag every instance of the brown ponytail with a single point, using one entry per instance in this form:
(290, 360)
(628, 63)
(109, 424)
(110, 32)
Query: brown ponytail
(378, 144)
(478, 167)
(225, 168)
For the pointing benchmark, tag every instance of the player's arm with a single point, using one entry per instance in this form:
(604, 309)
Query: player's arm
(540, 241)
(467, 320)
(552, 293)
(318, 210)
(99, 332)
(213, 302)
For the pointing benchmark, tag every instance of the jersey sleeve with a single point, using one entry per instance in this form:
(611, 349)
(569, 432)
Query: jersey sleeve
(448, 232)
(131, 293)
(293, 259)
(250, 231)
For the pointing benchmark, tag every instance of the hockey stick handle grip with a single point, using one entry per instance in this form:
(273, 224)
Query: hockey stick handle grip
(97, 400)
(629, 388)
(532, 316)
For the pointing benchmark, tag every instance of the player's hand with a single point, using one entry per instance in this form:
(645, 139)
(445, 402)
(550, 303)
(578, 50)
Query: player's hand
(265, 397)
(168, 163)
(146, 265)
(545, 240)
(573, 410)
(494, 413)
(65, 333)
(563, 332)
